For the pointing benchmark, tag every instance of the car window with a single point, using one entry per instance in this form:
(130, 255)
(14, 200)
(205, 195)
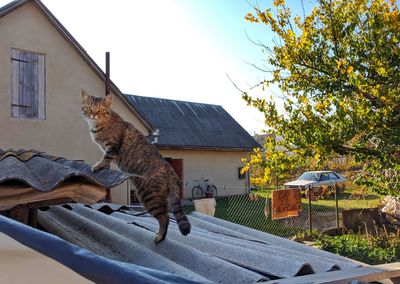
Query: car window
(309, 176)
(333, 176)
(324, 176)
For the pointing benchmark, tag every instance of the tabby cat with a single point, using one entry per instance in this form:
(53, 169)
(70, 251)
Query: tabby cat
(156, 183)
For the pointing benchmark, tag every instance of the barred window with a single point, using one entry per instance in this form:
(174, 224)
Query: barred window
(28, 85)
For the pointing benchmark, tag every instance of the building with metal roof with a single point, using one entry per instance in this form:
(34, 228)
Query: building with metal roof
(190, 125)
(201, 140)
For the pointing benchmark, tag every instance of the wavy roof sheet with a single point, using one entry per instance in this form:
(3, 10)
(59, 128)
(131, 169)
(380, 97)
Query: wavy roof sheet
(44, 172)
(192, 125)
(216, 250)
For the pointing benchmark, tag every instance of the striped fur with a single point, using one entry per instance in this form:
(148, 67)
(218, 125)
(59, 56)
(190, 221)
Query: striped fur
(122, 143)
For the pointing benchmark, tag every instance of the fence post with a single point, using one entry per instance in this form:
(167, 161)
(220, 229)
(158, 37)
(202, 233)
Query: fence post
(309, 209)
(337, 209)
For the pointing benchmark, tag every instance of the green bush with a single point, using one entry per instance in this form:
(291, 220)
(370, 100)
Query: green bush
(372, 250)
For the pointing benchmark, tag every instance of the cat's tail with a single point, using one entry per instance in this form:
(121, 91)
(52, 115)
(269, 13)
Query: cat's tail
(180, 216)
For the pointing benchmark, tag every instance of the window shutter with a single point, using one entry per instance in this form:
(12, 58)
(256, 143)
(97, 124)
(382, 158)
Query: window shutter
(27, 85)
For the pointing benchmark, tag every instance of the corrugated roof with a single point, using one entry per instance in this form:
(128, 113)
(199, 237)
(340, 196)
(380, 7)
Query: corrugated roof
(215, 250)
(44, 172)
(93, 267)
(192, 125)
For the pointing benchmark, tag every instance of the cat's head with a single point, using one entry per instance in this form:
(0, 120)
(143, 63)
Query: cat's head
(95, 107)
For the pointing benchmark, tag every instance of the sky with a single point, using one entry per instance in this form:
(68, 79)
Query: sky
(174, 49)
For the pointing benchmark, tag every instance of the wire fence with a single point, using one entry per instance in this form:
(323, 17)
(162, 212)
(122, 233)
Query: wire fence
(254, 210)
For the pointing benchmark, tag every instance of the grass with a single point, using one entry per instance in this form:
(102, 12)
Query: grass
(373, 250)
(251, 213)
(345, 200)
(241, 210)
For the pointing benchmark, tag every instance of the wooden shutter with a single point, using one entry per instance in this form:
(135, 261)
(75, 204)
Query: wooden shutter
(28, 80)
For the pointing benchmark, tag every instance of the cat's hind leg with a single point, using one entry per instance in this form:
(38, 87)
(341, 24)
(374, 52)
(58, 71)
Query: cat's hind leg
(153, 195)
(163, 221)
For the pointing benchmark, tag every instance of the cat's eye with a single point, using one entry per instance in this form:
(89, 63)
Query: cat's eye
(86, 108)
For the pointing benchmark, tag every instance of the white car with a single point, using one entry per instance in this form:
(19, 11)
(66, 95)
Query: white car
(315, 179)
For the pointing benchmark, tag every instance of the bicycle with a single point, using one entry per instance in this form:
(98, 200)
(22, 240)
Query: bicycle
(203, 189)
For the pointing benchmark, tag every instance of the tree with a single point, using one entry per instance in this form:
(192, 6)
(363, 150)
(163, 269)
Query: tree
(271, 165)
(338, 69)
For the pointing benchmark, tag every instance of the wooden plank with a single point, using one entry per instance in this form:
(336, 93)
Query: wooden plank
(108, 195)
(22, 85)
(15, 83)
(32, 217)
(365, 274)
(50, 202)
(35, 88)
(41, 86)
(29, 85)
(19, 213)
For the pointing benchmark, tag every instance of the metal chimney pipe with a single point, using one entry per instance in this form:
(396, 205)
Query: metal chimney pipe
(107, 81)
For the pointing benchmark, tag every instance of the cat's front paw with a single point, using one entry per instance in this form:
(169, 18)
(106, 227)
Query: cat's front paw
(96, 167)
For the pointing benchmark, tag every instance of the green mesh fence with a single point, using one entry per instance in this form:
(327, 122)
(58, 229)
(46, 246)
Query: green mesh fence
(254, 211)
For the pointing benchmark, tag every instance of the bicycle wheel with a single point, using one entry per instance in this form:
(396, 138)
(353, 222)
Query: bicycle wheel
(212, 188)
(197, 192)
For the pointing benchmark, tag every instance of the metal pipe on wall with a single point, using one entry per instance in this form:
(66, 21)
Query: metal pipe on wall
(107, 79)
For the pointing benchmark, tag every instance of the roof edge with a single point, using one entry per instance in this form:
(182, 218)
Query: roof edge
(78, 48)
(11, 7)
(173, 100)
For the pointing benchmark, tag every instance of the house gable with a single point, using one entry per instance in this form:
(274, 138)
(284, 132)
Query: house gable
(11, 7)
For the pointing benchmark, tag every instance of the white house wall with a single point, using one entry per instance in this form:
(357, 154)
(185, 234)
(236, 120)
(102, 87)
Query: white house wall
(220, 167)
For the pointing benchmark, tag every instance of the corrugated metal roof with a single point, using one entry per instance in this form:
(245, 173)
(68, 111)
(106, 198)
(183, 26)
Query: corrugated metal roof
(44, 172)
(215, 250)
(192, 125)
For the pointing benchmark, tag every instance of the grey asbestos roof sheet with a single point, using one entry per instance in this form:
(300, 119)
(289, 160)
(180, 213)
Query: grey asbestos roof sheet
(215, 251)
(192, 125)
(44, 172)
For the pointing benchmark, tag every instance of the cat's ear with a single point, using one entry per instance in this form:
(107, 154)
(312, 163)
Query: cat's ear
(108, 99)
(84, 95)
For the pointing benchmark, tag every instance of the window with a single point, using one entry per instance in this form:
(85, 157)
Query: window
(309, 176)
(28, 85)
(333, 176)
(324, 176)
